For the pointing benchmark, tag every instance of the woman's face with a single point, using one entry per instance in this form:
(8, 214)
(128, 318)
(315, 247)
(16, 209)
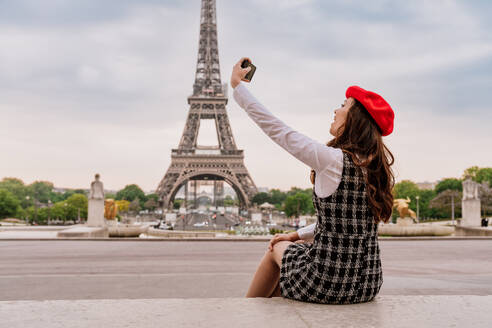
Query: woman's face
(341, 116)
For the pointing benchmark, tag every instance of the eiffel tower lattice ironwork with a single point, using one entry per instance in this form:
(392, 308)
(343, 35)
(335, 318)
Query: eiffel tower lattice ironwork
(192, 162)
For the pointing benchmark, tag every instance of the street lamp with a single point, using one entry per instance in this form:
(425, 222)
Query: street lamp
(49, 211)
(417, 197)
(452, 209)
(66, 213)
(35, 210)
(27, 217)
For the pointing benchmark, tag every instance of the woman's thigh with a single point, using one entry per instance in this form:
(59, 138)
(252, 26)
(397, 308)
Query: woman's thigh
(278, 251)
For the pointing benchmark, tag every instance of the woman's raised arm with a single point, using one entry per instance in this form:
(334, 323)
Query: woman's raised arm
(311, 152)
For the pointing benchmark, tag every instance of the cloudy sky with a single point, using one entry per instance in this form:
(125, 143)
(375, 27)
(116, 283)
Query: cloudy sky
(101, 86)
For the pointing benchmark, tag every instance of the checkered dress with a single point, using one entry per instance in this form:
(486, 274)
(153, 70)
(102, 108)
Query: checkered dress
(342, 265)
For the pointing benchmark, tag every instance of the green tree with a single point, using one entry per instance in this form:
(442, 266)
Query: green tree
(130, 193)
(426, 211)
(406, 188)
(449, 184)
(293, 191)
(486, 199)
(17, 188)
(39, 215)
(151, 204)
(58, 197)
(43, 215)
(274, 196)
(447, 201)
(135, 205)
(479, 174)
(78, 202)
(30, 213)
(69, 209)
(153, 196)
(59, 211)
(177, 203)
(277, 197)
(261, 198)
(123, 206)
(229, 201)
(297, 204)
(109, 196)
(41, 190)
(9, 204)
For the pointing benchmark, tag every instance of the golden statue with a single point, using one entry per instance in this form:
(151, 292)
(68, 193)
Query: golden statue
(402, 208)
(110, 209)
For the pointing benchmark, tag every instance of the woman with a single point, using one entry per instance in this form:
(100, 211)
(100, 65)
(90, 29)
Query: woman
(352, 182)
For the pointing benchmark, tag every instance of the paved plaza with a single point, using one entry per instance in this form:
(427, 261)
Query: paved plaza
(69, 270)
(388, 311)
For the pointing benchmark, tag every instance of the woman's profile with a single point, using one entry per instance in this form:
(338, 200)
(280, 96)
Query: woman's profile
(352, 183)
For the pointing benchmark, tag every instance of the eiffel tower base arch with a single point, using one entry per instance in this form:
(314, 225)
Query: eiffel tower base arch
(230, 170)
(241, 195)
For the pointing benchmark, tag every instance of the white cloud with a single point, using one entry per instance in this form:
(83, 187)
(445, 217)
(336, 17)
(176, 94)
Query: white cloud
(109, 95)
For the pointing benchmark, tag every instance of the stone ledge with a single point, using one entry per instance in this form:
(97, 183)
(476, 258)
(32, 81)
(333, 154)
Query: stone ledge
(473, 231)
(415, 230)
(178, 233)
(84, 232)
(34, 228)
(226, 239)
(383, 311)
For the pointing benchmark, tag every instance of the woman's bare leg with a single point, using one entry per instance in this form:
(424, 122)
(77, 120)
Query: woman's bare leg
(267, 275)
(276, 291)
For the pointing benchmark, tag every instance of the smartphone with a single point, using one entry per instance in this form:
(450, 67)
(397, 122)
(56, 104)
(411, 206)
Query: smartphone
(250, 74)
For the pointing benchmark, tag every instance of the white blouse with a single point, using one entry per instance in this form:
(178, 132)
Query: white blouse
(326, 161)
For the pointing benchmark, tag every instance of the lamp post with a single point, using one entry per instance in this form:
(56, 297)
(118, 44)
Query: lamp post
(35, 210)
(452, 208)
(27, 216)
(49, 211)
(418, 197)
(66, 213)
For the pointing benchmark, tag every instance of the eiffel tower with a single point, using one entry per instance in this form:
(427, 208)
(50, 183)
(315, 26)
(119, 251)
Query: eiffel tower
(191, 162)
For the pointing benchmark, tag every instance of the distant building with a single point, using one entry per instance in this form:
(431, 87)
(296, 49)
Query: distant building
(64, 190)
(263, 189)
(426, 185)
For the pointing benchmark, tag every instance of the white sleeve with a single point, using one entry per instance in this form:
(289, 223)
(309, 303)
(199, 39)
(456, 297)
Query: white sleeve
(323, 159)
(307, 232)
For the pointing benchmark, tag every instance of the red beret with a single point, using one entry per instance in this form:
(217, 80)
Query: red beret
(379, 109)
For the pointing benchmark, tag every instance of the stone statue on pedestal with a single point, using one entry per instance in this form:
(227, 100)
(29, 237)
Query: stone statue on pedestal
(95, 217)
(97, 189)
(470, 189)
(470, 204)
(96, 224)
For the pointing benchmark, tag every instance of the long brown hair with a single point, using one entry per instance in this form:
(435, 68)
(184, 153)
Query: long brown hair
(360, 135)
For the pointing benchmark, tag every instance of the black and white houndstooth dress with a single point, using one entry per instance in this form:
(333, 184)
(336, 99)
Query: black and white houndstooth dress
(342, 265)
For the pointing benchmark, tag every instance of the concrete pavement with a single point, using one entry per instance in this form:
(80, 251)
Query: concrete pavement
(135, 283)
(383, 311)
(64, 269)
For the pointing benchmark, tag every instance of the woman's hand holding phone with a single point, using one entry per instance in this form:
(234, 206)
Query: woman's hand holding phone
(239, 73)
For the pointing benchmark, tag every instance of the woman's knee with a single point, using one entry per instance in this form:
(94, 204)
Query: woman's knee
(278, 251)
